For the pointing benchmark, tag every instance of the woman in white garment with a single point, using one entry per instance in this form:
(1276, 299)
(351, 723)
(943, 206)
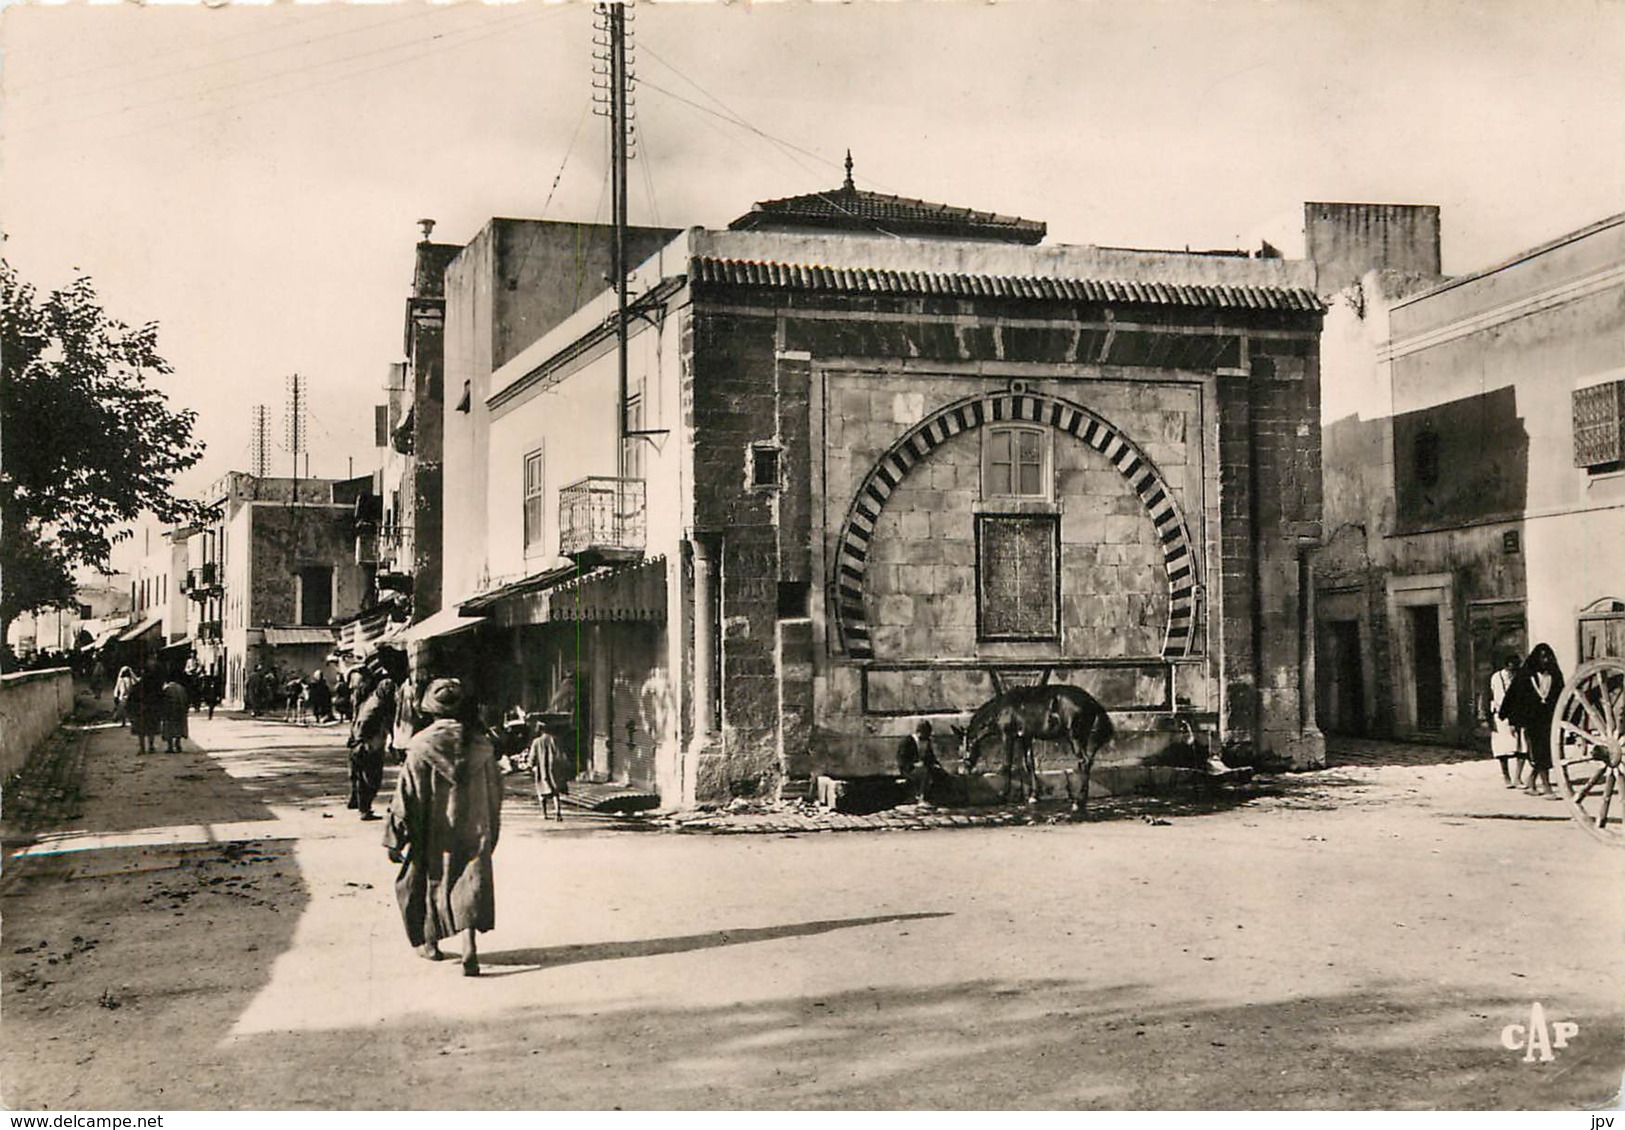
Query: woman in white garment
(1506, 740)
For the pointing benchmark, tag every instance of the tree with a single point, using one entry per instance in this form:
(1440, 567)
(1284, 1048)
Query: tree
(86, 444)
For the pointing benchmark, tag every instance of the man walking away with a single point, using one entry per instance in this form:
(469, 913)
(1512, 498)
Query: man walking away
(368, 735)
(443, 827)
(176, 705)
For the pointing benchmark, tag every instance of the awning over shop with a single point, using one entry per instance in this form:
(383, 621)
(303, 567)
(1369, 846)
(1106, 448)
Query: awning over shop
(138, 630)
(446, 622)
(294, 637)
(365, 634)
(624, 592)
(565, 595)
(183, 642)
(105, 638)
(519, 602)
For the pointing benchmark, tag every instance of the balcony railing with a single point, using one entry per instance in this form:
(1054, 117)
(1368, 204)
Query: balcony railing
(209, 630)
(602, 519)
(387, 545)
(202, 582)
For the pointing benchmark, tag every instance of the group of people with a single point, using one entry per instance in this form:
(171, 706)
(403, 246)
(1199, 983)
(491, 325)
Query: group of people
(154, 705)
(445, 815)
(300, 698)
(1521, 700)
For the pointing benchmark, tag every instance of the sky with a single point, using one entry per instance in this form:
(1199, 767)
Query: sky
(251, 176)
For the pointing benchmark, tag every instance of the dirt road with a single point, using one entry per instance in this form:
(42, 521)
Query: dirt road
(213, 929)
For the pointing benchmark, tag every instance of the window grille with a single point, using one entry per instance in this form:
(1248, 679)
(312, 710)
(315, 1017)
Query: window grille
(1018, 592)
(1599, 424)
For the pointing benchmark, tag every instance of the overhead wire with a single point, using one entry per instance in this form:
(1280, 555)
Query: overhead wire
(230, 60)
(457, 37)
(788, 147)
(488, 32)
(728, 112)
(832, 201)
(647, 161)
(317, 15)
(542, 215)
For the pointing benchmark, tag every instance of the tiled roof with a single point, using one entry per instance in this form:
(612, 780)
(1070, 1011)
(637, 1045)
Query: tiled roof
(854, 209)
(869, 280)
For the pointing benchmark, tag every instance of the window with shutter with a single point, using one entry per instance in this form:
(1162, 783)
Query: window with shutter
(533, 502)
(1015, 463)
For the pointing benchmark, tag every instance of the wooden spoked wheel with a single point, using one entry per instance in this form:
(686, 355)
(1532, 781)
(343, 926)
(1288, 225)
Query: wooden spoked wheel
(1588, 748)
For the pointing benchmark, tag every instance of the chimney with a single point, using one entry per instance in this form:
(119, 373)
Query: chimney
(1347, 240)
(428, 229)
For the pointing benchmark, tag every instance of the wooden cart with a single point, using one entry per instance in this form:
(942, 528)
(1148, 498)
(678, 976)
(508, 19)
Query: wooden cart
(1588, 748)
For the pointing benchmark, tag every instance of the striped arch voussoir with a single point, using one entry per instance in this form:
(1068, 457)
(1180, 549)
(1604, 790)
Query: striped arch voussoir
(917, 444)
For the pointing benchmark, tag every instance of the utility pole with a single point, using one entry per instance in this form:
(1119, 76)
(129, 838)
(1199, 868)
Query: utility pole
(294, 433)
(294, 436)
(259, 459)
(613, 86)
(614, 23)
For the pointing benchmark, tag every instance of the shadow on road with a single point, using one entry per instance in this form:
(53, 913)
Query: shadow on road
(136, 960)
(535, 960)
(989, 1044)
(1345, 751)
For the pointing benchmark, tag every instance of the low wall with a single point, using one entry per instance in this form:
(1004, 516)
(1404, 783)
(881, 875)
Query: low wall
(32, 705)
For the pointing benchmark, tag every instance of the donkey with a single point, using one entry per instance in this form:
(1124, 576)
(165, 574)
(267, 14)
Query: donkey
(1023, 715)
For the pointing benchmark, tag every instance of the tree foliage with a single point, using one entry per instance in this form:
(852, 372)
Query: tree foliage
(86, 444)
(33, 574)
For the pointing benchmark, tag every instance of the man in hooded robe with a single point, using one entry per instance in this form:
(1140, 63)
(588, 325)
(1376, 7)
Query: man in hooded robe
(443, 826)
(368, 735)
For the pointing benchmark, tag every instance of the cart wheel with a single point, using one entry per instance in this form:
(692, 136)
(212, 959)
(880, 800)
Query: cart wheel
(1588, 748)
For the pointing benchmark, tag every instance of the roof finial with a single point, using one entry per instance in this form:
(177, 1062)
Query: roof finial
(849, 186)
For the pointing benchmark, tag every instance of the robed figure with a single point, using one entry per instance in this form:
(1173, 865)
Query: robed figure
(443, 826)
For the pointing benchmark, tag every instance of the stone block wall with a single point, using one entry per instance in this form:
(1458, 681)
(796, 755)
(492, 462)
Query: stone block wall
(32, 705)
(1270, 470)
(759, 370)
(921, 584)
(286, 539)
(734, 405)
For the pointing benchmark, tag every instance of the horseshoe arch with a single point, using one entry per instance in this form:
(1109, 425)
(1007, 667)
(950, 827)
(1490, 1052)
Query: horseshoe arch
(1011, 406)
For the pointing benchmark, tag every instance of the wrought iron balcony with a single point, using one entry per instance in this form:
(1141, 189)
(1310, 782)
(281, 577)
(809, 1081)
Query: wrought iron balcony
(602, 519)
(201, 583)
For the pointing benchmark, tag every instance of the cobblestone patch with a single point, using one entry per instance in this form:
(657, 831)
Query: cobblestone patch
(48, 789)
(785, 818)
